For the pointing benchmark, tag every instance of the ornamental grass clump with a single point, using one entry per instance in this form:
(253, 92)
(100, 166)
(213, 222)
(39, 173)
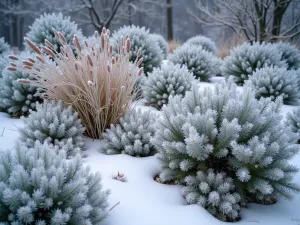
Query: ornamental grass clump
(132, 135)
(246, 58)
(274, 82)
(96, 84)
(56, 124)
(169, 80)
(39, 185)
(230, 132)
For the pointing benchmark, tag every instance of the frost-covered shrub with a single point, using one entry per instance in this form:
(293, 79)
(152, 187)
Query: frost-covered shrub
(132, 135)
(214, 192)
(293, 121)
(56, 124)
(139, 39)
(169, 80)
(228, 131)
(4, 47)
(290, 54)
(17, 98)
(161, 42)
(41, 29)
(4, 51)
(276, 82)
(201, 63)
(4, 62)
(39, 186)
(246, 58)
(202, 41)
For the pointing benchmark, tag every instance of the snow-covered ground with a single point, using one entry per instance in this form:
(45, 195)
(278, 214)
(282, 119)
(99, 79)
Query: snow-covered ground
(143, 201)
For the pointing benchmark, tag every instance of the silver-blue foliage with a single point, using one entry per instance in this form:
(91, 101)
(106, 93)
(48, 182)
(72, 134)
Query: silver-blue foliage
(214, 192)
(169, 80)
(41, 29)
(290, 54)
(40, 186)
(4, 47)
(17, 98)
(132, 135)
(201, 63)
(55, 124)
(244, 59)
(276, 82)
(139, 39)
(202, 41)
(229, 131)
(293, 121)
(161, 42)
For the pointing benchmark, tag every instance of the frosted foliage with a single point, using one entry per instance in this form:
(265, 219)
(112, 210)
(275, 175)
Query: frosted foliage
(54, 123)
(201, 63)
(244, 59)
(161, 42)
(41, 29)
(169, 80)
(214, 192)
(290, 54)
(202, 41)
(4, 62)
(132, 135)
(231, 131)
(139, 39)
(4, 47)
(276, 82)
(17, 98)
(293, 121)
(39, 186)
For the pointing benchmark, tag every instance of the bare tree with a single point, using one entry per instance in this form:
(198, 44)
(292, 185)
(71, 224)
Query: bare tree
(102, 13)
(257, 20)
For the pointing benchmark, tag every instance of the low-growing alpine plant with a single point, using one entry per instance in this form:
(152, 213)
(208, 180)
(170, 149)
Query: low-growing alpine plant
(274, 82)
(214, 192)
(162, 43)
(231, 132)
(290, 54)
(16, 98)
(293, 121)
(201, 41)
(40, 186)
(140, 38)
(4, 47)
(56, 124)
(201, 63)
(42, 29)
(169, 80)
(132, 135)
(244, 59)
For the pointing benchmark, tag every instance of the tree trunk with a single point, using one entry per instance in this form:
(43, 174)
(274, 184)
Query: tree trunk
(280, 9)
(129, 13)
(170, 19)
(278, 14)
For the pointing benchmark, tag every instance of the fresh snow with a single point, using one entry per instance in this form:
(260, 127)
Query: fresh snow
(143, 201)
